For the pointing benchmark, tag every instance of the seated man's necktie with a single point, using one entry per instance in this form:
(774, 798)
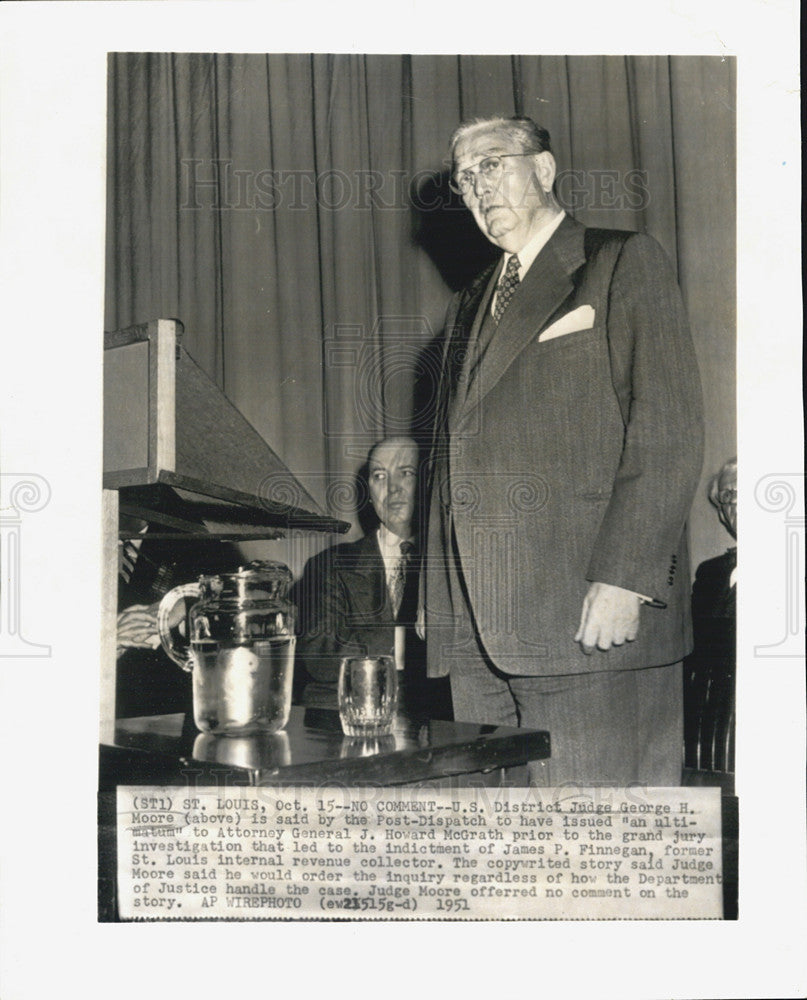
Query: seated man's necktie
(399, 578)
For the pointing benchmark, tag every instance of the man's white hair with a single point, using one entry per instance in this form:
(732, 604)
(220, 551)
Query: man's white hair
(714, 482)
(531, 137)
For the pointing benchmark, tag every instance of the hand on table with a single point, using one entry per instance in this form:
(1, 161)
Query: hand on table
(610, 618)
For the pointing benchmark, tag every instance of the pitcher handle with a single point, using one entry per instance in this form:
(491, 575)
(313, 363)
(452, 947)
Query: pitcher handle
(178, 651)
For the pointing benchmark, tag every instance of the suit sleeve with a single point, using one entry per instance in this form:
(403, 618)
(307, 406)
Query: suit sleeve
(655, 376)
(324, 635)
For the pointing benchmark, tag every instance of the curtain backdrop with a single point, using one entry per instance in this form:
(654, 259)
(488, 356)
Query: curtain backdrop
(293, 212)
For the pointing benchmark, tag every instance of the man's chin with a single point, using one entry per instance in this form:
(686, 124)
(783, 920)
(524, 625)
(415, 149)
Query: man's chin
(399, 528)
(497, 223)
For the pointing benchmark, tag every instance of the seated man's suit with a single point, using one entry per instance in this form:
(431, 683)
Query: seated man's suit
(345, 610)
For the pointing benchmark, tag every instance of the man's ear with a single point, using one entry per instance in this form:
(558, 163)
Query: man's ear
(545, 169)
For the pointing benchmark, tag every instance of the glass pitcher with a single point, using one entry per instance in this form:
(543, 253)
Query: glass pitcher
(239, 647)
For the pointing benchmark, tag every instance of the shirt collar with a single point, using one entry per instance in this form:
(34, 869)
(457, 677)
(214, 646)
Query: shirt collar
(389, 542)
(528, 253)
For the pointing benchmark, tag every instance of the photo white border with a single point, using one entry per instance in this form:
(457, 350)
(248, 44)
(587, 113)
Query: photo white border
(53, 135)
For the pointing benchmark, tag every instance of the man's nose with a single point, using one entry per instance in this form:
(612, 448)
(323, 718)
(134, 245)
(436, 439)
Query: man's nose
(481, 183)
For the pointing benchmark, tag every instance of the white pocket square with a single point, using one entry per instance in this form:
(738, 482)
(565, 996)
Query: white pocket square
(581, 318)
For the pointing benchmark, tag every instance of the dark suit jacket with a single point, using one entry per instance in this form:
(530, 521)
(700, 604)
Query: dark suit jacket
(345, 610)
(566, 461)
(709, 671)
(712, 595)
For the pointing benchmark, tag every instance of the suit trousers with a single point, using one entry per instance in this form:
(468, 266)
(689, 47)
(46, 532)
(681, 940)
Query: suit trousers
(611, 727)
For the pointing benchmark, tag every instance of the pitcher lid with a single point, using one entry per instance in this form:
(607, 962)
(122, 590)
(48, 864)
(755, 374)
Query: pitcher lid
(264, 568)
(261, 578)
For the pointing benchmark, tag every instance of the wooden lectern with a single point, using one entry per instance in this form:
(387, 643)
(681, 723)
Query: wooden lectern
(169, 428)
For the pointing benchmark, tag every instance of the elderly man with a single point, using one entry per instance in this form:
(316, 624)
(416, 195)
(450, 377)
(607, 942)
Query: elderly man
(723, 496)
(360, 598)
(566, 454)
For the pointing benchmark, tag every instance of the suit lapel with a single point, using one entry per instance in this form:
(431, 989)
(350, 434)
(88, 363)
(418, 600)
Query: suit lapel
(463, 332)
(545, 287)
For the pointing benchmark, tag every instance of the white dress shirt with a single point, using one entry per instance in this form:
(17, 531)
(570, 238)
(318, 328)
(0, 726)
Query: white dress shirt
(528, 253)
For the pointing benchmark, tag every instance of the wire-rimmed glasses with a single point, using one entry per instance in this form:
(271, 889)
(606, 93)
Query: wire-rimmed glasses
(490, 167)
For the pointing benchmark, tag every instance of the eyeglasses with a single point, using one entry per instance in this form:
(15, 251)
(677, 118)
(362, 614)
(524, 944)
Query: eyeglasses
(490, 168)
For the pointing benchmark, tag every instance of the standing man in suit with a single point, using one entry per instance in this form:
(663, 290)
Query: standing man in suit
(360, 598)
(567, 449)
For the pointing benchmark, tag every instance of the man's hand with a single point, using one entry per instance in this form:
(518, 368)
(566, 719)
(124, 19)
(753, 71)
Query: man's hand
(610, 618)
(137, 627)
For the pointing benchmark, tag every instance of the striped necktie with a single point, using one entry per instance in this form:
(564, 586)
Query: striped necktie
(506, 288)
(399, 577)
(129, 552)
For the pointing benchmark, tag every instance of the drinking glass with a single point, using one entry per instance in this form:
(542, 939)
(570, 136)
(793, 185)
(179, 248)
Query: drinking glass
(368, 695)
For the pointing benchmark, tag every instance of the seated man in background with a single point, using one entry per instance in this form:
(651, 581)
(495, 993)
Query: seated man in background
(360, 598)
(715, 590)
(709, 672)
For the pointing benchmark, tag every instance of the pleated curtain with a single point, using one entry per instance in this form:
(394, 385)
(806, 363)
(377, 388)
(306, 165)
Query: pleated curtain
(293, 212)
